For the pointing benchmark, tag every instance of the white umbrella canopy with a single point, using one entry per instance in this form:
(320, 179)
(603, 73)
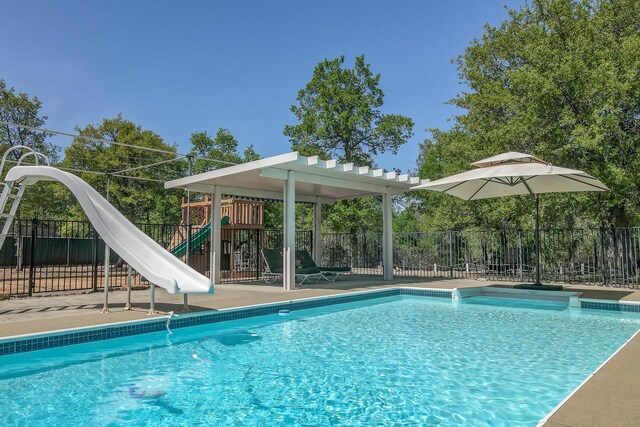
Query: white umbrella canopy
(508, 157)
(512, 174)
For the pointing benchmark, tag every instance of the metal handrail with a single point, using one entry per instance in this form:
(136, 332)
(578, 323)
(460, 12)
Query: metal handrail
(35, 154)
(31, 152)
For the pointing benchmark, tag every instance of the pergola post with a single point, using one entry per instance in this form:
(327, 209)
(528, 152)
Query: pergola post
(289, 227)
(216, 256)
(317, 232)
(387, 236)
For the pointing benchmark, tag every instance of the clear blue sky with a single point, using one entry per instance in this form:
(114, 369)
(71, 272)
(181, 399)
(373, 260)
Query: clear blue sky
(179, 67)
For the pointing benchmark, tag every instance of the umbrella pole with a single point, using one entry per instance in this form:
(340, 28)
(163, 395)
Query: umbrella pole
(537, 285)
(537, 239)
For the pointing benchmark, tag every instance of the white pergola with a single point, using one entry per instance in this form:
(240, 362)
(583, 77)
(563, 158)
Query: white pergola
(291, 177)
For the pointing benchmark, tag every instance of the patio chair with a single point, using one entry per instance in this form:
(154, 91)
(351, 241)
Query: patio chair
(328, 273)
(274, 271)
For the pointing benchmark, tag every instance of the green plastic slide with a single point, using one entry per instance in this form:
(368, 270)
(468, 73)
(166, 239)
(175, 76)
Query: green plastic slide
(197, 238)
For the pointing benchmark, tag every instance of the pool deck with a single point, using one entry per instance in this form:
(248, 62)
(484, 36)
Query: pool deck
(608, 398)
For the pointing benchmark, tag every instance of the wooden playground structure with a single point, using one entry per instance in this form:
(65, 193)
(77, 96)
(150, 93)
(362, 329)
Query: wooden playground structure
(241, 232)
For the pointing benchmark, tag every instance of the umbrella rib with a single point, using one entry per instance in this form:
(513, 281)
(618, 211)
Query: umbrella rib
(453, 186)
(524, 181)
(478, 190)
(585, 183)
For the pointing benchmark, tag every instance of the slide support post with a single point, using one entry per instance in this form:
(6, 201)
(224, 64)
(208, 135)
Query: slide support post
(152, 306)
(128, 304)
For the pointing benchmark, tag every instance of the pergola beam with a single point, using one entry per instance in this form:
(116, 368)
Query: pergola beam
(323, 180)
(258, 194)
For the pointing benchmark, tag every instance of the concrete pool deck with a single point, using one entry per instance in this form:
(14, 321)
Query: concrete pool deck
(607, 398)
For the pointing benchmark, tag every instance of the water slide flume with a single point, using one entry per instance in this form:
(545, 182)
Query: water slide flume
(140, 251)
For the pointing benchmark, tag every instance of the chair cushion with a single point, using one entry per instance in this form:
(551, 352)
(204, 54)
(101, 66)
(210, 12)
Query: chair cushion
(273, 258)
(307, 270)
(336, 269)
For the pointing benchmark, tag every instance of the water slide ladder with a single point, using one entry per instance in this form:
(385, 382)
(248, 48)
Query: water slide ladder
(13, 191)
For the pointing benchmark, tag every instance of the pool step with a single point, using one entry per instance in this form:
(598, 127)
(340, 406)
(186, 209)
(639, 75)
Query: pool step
(569, 297)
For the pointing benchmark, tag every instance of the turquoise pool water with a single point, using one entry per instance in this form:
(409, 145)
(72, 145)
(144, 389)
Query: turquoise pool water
(389, 361)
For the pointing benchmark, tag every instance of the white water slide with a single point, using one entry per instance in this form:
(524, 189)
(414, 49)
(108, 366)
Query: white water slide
(140, 251)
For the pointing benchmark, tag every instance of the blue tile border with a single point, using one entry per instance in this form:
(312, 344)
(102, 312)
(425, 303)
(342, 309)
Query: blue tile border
(611, 306)
(105, 332)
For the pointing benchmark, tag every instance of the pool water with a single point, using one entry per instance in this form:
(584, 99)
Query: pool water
(389, 361)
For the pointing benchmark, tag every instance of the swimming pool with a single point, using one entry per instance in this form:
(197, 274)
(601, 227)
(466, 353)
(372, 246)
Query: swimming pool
(385, 361)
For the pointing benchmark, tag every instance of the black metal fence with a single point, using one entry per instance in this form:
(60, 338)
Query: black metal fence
(52, 255)
(585, 256)
(49, 255)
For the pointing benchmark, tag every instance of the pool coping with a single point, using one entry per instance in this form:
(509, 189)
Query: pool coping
(547, 417)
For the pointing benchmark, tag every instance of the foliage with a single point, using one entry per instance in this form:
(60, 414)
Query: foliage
(139, 200)
(355, 215)
(223, 147)
(22, 109)
(339, 115)
(274, 214)
(558, 79)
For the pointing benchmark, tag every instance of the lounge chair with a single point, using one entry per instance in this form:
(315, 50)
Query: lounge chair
(328, 273)
(273, 268)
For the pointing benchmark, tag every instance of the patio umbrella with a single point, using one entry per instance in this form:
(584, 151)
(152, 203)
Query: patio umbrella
(511, 174)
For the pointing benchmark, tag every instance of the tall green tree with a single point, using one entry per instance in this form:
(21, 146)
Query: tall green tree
(339, 116)
(21, 108)
(559, 79)
(139, 200)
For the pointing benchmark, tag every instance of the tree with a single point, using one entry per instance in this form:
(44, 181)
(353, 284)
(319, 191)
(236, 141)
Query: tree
(139, 200)
(339, 115)
(223, 147)
(22, 109)
(558, 79)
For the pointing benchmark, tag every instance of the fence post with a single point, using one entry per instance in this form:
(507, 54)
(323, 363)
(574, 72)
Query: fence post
(94, 276)
(258, 254)
(603, 265)
(32, 256)
(520, 257)
(188, 244)
(450, 254)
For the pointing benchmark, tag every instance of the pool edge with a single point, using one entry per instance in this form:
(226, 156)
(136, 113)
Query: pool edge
(547, 417)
